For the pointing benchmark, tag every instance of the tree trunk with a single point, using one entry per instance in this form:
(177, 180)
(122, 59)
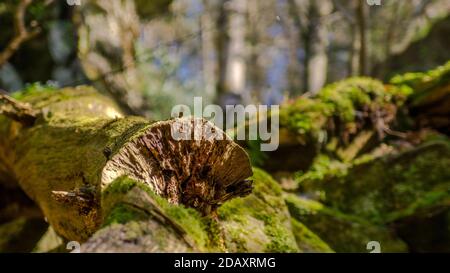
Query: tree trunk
(235, 80)
(108, 56)
(299, 28)
(361, 14)
(318, 61)
(256, 75)
(79, 143)
(221, 43)
(313, 34)
(208, 51)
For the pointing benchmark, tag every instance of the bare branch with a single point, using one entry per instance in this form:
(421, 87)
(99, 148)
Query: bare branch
(22, 34)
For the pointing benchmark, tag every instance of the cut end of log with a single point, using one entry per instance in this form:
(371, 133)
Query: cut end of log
(201, 171)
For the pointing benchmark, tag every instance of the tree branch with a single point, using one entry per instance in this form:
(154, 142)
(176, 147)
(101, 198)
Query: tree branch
(22, 34)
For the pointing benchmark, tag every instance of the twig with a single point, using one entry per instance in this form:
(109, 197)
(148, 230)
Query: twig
(22, 34)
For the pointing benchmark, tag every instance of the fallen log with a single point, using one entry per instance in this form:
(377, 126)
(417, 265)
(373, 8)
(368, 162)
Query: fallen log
(78, 142)
(345, 120)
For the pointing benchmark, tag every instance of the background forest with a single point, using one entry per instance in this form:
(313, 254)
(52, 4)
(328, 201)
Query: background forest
(364, 95)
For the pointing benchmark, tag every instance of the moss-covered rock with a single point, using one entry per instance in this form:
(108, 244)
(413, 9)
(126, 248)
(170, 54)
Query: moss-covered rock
(344, 233)
(408, 191)
(391, 187)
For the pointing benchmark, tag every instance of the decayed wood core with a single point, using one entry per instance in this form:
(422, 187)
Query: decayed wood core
(199, 173)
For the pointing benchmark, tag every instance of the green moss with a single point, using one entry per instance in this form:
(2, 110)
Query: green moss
(266, 194)
(425, 83)
(338, 103)
(280, 236)
(322, 168)
(342, 232)
(34, 89)
(421, 81)
(123, 213)
(121, 185)
(307, 240)
(189, 219)
(260, 221)
(384, 188)
(346, 96)
(265, 184)
(305, 116)
(67, 104)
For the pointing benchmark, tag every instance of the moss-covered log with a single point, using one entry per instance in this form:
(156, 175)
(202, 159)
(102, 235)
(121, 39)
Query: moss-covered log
(345, 119)
(79, 143)
(349, 118)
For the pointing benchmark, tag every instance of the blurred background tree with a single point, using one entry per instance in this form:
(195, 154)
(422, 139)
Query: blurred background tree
(151, 55)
